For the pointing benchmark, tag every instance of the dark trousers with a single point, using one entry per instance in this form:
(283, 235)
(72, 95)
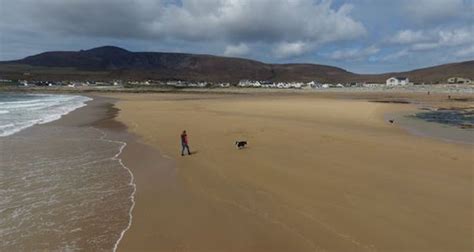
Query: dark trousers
(185, 147)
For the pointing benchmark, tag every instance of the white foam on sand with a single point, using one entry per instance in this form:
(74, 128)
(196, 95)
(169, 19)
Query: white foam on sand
(40, 110)
(131, 183)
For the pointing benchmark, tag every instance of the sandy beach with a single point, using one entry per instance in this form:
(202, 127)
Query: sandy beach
(321, 173)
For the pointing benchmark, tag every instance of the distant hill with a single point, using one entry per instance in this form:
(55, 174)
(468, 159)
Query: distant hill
(108, 62)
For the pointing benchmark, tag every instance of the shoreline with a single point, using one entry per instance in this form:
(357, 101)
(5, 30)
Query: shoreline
(137, 158)
(133, 155)
(105, 123)
(100, 114)
(75, 151)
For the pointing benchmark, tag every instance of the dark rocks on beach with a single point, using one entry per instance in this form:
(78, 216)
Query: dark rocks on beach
(466, 126)
(392, 101)
(458, 117)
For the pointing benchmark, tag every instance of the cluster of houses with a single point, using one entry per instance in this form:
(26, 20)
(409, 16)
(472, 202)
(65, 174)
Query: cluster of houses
(180, 84)
(269, 84)
(296, 85)
(390, 82)
(394, 81)
(71, 84)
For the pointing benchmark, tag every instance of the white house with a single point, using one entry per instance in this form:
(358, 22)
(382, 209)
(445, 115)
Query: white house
(459, 80)
(372, 85)
(202, 84)
(297, 85)
(398, 81)
(311, 84)
(224, 85)
(257, 84)
(245, 83)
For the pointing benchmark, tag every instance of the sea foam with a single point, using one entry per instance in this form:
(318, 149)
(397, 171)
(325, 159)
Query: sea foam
(20, 111)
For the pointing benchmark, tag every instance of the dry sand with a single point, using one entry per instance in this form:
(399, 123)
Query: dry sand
(318, 174)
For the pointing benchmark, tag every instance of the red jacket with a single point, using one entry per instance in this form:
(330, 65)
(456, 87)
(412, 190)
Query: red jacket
(184, 139)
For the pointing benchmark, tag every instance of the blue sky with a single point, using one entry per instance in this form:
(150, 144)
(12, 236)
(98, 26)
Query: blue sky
(364, 36)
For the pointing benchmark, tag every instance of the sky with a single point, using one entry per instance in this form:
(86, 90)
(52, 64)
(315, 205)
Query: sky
(362, 36)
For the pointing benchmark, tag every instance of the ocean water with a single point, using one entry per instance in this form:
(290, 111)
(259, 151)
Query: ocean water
(461, 118)
(62, 187)
(455, 126)
(20, 111)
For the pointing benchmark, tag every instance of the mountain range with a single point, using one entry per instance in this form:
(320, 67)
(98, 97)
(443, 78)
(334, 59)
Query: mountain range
(109, 62)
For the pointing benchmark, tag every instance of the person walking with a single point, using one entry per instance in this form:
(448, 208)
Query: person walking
(184, 143)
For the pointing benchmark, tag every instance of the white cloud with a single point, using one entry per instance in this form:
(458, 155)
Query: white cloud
(407, 37)
(454, 43)
(424, 46)
(236, 50)
(286, 49)
(232, 21)
(455, 37)
(422, 40)
(354, 54)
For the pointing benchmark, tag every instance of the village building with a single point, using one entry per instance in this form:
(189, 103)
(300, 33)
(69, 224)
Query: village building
(459, 80)
(311, 85)
(245, 83)
(224, 85)
(397, 81)
(326, 85)
(372, 85)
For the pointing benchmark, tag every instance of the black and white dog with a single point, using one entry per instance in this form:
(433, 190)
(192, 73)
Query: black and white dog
(241, 144)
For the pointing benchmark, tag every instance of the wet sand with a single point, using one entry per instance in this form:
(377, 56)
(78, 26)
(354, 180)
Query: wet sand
(320, 173)
(62, 186)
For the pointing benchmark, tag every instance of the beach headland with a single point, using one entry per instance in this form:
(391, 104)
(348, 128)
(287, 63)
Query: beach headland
(321, 172)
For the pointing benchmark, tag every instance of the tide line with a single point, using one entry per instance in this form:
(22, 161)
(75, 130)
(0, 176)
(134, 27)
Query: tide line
(131, 183)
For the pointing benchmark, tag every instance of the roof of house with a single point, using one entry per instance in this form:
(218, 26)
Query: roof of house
(400, 78)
